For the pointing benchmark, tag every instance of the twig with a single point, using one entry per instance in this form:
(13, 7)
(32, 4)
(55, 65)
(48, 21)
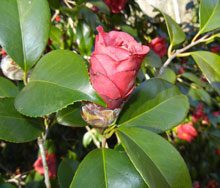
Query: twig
(41, 142)
(104, 142)
(178, 52)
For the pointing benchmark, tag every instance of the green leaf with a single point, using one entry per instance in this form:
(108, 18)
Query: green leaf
(169, 75)
(209, 64)
(177, 36)
(193, 78)
(156, 104)
(71, 116)
(107, 168)
(101, 6)
(209, 15)
(56, 37)
(159, 164)
(14, 127)
(200, 94)
(84, 38)
(59, 79)
(24, 29)
(153, 59)
(7, 88)
(6, 185)
(66, 170)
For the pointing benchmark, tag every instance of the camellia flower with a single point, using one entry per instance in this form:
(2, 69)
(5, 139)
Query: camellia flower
(196, 184)
(114, 65)
(159, 46)
(186, 132)
(51, 163)
(215, 49)
(3, 53)
(116, 6)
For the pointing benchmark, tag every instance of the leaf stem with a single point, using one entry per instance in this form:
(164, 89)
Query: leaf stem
(179, 52)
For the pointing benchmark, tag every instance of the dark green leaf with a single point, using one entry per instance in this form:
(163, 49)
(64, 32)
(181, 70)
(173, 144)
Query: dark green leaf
(24, 29)
(209, 15)
(156, 104)
(14, 127)
(7, 88)
(107, 169)
(169, 75)
(209, 64)
(193, 78)
(177, 36)
(66, 170)
(157, 161)
(71, 116)
(59, 79)
(101, 6)
(153, 59)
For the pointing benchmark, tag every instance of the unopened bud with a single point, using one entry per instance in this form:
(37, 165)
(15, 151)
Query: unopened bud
(10, 69)
(99, 116)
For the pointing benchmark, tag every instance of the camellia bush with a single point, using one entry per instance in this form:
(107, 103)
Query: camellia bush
(146, 90)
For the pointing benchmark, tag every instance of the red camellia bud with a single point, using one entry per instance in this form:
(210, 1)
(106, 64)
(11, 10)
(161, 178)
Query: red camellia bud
(215, 49)
(3, 53)
(51, 162)
(186, 132)
(114, 65)
(57, 18)
(159, 46)
(116, 6)
(196, 184)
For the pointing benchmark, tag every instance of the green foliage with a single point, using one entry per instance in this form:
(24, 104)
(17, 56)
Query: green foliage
(209, 15)
(54, 85)
(14, 127)
(106, 168)
(27, 38)
(7, 88)
(209, 64)
(156, 105)
(159, 164)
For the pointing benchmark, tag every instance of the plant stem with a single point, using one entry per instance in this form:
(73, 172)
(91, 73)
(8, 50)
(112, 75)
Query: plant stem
(178, 53)
(41, 142)
(104, 142)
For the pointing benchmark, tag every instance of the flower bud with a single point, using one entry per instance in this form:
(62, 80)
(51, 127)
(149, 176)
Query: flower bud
(10, 69)
(51, 163)
(114, 65)
(186, 132)
(99, 116)
(116, 6)
(159, 46)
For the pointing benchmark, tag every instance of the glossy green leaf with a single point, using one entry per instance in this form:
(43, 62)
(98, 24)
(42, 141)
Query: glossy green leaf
(153, 59)
(24, 29)
(209, 15)
(107, 169)
(200, 94)
(169, 75)
(156, 104)
(209, 64)
(193, 78)
(177, 36)
(66, 170)
(71, 116)
(14, 127)
(59, 79)
(156, 160)
(84, 38)
(7, 88)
